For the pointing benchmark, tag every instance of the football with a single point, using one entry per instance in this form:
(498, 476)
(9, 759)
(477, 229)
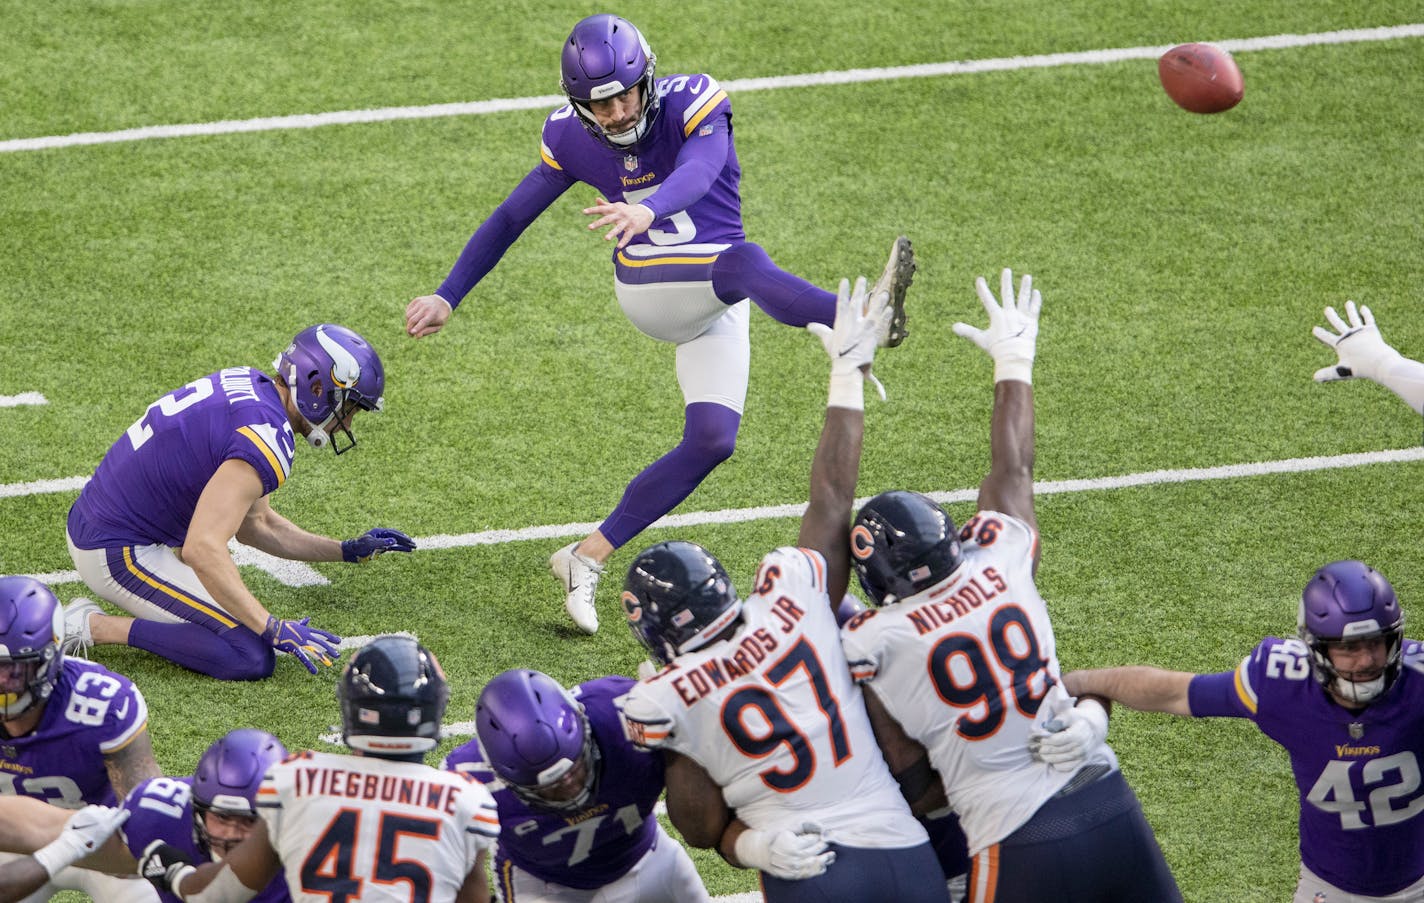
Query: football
(1200, 78)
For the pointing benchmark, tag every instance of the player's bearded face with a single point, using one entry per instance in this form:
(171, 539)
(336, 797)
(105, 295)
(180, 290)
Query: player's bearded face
(226, 831)
(619, 113)
(1359, 660)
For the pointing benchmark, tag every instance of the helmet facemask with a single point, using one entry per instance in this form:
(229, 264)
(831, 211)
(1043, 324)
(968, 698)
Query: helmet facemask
(331, 373)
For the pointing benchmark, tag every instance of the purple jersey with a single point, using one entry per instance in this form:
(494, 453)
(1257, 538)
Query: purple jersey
(92, 713)
(599, 844)
(692, 134)
(162, 809)
(148, 484)
(692, 106)
(1358, 773)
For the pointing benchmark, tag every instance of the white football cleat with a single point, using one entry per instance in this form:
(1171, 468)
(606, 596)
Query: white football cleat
(899, 273)
(77, 637)
(579, 576)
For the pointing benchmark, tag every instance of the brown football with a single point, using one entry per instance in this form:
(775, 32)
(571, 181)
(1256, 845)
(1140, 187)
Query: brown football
(1200, 78)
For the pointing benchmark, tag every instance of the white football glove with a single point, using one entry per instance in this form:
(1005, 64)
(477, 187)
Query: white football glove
(786, 855)
(851, 344)
(1073, 734)
(85, 832)
(1012, 337)
(1363, 352)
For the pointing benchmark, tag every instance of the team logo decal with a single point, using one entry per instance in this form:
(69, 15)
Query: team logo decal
(862, 543)
(631, 609)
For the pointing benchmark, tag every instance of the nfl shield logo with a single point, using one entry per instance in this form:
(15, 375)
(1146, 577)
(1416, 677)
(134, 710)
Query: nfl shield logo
(630, 163)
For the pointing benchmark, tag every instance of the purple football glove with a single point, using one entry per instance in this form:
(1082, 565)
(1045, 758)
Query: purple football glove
(299, 638)
(373, 542)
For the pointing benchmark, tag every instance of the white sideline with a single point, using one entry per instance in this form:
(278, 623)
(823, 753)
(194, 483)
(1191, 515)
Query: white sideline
(842, 77)
(297, 574)
(24, 398)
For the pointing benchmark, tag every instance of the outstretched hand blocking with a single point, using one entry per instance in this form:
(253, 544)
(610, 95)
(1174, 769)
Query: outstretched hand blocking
(1011, 339)
(1361, 348)
(300, 639)
(860, 321)
(375, 542)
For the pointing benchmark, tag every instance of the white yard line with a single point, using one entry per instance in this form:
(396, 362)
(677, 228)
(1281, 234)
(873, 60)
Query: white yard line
(24, 398)
(297, 574)
(741, 85)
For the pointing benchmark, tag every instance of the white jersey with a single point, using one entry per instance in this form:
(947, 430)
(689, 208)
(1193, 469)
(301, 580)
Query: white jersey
(968, 669)
(773, 716)
(391, 831)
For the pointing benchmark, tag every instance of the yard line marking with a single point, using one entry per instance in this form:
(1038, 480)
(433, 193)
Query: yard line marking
(741, 85)
(42, 487)
(24, 398)
(290, 571)
(1125, 481)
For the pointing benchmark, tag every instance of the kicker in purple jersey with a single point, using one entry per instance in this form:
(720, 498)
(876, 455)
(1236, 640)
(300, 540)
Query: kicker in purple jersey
(162, 809)
(92, 712)
(1361, 827)
(693, 106)
(146, 487)
(598, 845)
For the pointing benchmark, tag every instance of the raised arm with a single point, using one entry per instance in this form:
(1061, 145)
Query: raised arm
(1011, 341)
(835, 468)
(1364, 354)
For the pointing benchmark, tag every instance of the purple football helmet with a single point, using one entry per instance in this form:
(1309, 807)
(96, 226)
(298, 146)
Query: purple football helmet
(534, 735)
(31, 644)
(902, 543)
(226, 781)
(331, 372)
(603, 57)
(1344, 601)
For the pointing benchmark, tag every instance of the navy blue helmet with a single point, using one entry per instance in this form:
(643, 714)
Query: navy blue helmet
(677, 599)
(900, 544)
(393, 696)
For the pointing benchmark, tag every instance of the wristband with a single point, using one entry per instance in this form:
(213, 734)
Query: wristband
(847, 389)
(51, 857)
(1015, 368)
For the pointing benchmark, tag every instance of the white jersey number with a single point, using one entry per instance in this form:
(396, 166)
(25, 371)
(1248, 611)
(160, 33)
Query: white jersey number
(683, 231)
(585, 831)
(174, 402)
(1334, 791)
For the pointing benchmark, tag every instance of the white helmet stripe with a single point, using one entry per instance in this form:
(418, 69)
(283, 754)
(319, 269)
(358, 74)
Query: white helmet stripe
(345, 369)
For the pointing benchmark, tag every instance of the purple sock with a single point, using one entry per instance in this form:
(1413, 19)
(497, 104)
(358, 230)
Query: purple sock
(234, 654)
(745, 271)
(709, 434)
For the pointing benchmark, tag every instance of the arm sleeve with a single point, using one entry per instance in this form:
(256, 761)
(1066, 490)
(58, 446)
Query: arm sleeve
(531, 197)
(1405, 378)
(698, 163)
(1219, 695)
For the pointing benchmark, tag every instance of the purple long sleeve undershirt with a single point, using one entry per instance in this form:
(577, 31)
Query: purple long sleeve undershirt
(699, 162)
(531, 197)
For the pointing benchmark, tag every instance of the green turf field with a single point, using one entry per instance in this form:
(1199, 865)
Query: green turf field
(1182, 260)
